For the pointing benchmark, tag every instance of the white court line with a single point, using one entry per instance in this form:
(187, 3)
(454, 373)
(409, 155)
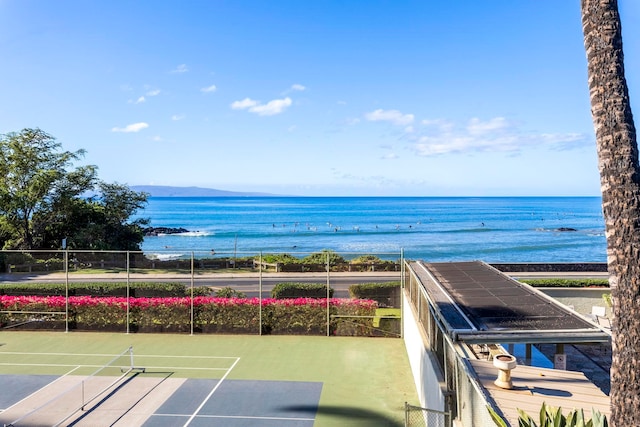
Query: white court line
(106, 355)
(58, 354)
(185, 357)
(238, 417)
(56, 365)
(257, 418)
(42, 388)
(206, 399)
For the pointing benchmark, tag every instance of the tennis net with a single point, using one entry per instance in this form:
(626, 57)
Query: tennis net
(83, 395)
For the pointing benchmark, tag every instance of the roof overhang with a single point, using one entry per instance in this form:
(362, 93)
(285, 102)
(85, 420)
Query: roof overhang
(478, 304)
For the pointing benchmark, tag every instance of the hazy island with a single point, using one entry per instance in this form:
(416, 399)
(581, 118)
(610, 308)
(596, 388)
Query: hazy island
(168, 191)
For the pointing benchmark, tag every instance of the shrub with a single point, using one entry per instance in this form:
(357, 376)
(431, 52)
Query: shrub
(303, 316)
(227, 315)
(567, 283)
(136, 289)
(353, 317)
(229, 292)
(279, 258)
(300, 290)
(210, 314)
(387, 294)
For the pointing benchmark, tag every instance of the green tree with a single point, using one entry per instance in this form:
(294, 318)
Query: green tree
(42, 203)
(31, 164)
(617, 149)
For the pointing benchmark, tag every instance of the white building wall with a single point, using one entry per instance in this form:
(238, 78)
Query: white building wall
(426, 372)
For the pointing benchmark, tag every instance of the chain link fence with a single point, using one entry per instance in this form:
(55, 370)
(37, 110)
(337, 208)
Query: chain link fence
(199, 292)
(415, 416)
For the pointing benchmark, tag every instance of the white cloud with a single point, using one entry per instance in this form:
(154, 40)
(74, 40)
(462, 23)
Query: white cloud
(271, 108)
(478, 127)
(177, 117)
(245, 103)
(140, 100)
(390, 156)
(154, 92)
(393, 116)
(134, 127)
(182, 68)
(298, 87)
(208, 89)
(440, 137)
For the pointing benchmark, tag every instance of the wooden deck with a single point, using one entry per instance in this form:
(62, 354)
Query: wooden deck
(533, 386)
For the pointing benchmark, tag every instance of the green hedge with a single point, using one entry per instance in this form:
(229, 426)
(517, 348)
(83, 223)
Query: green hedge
(303, 316)
(567, 283)
(300, 290)
(136, 289)
(387, 294)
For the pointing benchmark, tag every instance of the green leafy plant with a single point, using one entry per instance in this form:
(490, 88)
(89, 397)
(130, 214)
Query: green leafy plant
(321, 258)
(229, 292)
(300, 290)
(550, 416)
(385, 293)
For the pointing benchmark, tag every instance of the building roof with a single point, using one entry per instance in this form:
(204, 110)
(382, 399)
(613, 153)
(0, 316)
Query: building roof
(477, 303)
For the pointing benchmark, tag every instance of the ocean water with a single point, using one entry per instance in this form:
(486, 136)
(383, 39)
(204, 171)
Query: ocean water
(492, 229)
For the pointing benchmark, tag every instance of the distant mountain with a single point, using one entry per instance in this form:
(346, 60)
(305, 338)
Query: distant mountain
(166, 191)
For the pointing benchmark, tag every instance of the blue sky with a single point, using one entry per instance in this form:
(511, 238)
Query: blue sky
(344, 98)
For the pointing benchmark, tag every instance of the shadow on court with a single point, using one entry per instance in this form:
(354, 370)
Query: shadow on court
(352, 416)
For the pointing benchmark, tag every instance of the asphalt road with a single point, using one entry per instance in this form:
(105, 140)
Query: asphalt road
(250, 283)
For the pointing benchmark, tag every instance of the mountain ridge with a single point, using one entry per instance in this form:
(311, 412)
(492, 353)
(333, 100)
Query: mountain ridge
(171, 191)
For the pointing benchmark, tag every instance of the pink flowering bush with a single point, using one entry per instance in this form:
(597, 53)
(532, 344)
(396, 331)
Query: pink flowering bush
(210, 314)
(227, 315)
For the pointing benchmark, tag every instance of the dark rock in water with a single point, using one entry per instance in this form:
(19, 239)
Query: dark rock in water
(566, 229)
(154, 231)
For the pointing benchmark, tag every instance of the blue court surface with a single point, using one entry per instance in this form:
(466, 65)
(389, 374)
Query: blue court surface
(195, 402)
(239, 403)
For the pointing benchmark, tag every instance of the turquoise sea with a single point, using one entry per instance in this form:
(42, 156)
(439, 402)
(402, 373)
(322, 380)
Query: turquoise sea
(492, 229)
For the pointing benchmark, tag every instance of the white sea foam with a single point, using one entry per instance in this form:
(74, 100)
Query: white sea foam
(164, 256)
(196, 234)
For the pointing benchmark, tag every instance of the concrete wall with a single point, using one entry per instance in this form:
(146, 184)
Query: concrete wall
(581, 299)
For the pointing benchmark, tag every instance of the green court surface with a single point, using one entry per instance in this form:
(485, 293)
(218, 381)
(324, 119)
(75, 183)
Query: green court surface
(365, 381)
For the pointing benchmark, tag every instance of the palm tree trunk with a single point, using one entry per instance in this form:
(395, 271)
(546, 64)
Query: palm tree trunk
(620, 184)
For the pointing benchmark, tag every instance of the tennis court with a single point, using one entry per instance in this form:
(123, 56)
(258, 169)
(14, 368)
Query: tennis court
(96, 379)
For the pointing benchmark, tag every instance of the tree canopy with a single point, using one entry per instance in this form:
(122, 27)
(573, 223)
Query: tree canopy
(44, 199)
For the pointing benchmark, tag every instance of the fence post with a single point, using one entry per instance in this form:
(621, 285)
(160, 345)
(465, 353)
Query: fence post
(128, 293)
(66, 290)
(406, 414)
(260, 296)
(192, 278)
(328, 296)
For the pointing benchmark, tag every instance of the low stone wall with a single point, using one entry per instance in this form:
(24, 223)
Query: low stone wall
(560, 267)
